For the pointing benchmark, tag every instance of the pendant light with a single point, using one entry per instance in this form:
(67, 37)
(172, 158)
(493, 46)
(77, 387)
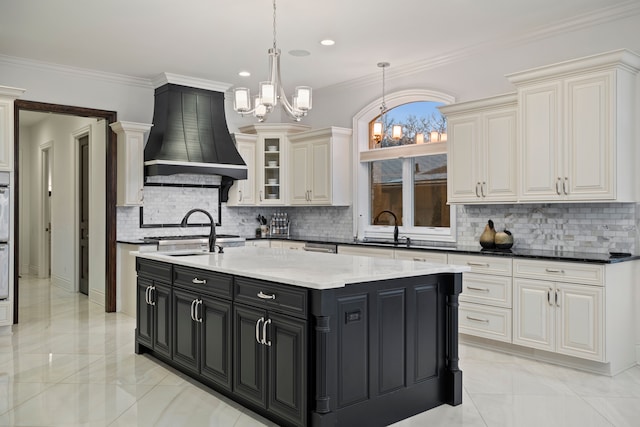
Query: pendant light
(272, 91)
(378, 126)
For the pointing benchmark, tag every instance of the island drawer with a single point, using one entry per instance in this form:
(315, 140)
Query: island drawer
(483, 264)
(487, 289)
(585, 274)
(204, 281)
(154, 270)
(484, 321)
(271, 296)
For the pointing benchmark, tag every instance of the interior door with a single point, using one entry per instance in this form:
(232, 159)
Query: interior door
(83, 263)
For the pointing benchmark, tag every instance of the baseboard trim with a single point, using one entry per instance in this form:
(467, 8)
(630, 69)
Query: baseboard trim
(62, 282)
(97, 296)
(545, 356)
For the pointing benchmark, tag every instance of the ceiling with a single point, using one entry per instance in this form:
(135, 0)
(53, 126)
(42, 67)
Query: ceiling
(216, 39)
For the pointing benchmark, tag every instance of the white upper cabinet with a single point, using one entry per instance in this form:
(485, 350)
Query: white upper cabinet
(271, 162)
(576, 133)
(243, 191)
(7, 97)
(319, 167)
(130, 166)
(482, 150)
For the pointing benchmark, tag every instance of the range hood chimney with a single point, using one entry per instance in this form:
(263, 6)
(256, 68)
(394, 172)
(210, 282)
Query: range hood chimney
(190, 133)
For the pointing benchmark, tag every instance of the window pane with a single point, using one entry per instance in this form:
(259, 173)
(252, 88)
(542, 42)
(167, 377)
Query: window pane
(430, 191)
(386, 191)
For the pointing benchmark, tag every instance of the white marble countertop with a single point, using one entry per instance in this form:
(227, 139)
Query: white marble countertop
(306, 269)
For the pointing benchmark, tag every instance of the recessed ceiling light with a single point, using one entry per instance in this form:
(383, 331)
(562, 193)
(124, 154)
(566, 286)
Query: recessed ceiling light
(327, 42)
(299, 52)
(244, 74)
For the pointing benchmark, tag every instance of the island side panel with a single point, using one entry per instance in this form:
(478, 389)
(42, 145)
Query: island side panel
(383, 351)
(454, 374)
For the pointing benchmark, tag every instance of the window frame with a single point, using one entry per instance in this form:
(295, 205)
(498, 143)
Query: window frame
(362, 155)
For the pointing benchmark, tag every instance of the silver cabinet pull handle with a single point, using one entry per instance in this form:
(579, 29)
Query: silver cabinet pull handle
(265, 296)
(557, 298)
(146, 295)
(477, 192)
(565, 185)
(478, 264)
(239, 195)
(312, 249)
(151, 298)
(554, 270)
(193, 303)
(484, 184)
(420, 259)
(264, 333)
(558, 186)
(198, 303)
(475, 319)
(197, 281)
(258, 330)
(260, 195)
(549, 297)
(473, 288)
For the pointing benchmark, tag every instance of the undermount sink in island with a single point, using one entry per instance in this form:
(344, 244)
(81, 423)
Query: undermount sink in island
(306, 339)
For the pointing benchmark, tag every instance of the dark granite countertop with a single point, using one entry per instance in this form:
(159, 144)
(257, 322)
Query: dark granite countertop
(604, 258)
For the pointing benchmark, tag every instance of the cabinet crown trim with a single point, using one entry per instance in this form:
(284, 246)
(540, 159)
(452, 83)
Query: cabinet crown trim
(504, 100)
(621, 58)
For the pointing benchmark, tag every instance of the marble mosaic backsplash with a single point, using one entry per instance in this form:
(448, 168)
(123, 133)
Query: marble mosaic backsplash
(587, 227)
(583, 227)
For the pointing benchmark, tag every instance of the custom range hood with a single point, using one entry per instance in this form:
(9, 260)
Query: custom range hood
(189, 133)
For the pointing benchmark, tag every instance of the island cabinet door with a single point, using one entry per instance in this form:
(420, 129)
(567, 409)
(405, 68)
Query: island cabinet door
(286, 343)
(144, 313)
(249, 364)
(185, 330)
(161, 297)
(215, 340)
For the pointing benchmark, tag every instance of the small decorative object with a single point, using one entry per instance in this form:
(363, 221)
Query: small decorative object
(487, 238)
(504, 239)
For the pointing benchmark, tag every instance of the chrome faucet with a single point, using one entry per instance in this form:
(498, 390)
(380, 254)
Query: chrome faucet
(395, 223)
(212, 230)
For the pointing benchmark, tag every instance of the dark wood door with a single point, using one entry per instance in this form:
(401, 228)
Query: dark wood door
(215, 340)
(83, 264)
(287, 361)
(161, 297)
(249, 364)
(144, 313)
(185, 331)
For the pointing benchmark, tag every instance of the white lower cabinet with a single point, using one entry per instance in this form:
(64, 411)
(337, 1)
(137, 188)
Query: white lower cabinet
(485, 301)
(365, 251)
(422, 256)
(559, 317)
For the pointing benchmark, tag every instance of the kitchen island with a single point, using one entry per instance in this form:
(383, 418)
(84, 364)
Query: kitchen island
(306, 339)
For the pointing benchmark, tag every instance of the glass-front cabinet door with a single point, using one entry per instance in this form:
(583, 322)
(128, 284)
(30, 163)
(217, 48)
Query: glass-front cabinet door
(271, 182)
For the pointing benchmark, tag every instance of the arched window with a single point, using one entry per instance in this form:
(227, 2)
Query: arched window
(403, 177)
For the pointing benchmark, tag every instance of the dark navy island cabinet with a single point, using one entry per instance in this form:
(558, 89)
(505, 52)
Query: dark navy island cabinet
(365, 354)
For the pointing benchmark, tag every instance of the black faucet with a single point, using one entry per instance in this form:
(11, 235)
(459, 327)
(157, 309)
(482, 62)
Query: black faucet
(395, 223)
(212, 230)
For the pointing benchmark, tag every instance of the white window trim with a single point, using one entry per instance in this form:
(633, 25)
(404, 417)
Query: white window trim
(362, 154)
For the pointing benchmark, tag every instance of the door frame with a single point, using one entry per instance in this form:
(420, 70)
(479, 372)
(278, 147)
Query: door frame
(44, 269)
(110, 190)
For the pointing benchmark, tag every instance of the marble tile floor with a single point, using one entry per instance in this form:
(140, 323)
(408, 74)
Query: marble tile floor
(69, 363)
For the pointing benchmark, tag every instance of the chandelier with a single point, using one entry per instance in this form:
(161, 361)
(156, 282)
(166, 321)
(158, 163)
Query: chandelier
(271, 91)
(378, 126)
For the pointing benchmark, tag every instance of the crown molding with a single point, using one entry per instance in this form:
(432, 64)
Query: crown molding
(575, 23)
(75, 71)
(164, 78)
